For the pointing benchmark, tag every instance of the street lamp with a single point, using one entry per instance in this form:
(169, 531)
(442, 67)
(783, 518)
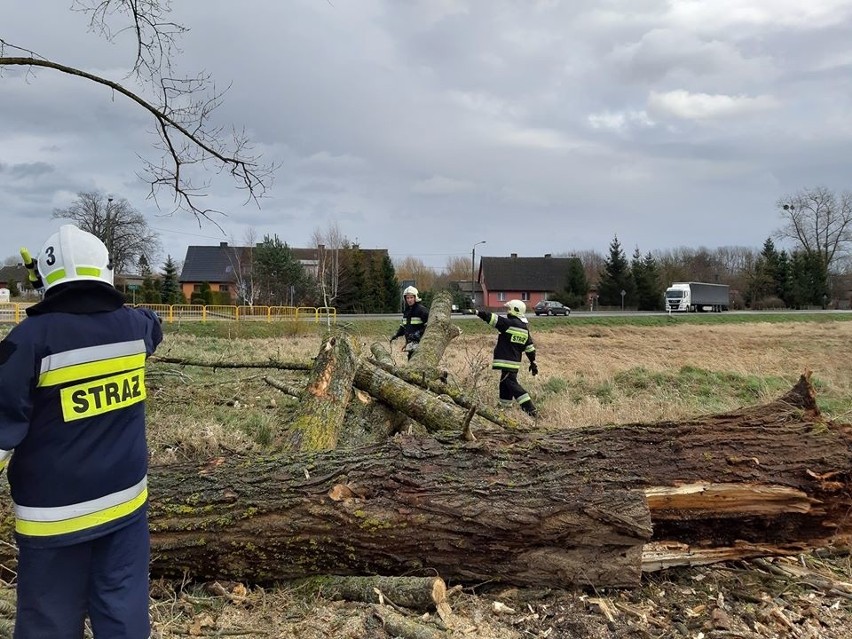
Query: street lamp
(472, 275)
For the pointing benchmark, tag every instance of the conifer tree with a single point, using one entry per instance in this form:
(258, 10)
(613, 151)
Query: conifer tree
(170, 292)
(616, 277)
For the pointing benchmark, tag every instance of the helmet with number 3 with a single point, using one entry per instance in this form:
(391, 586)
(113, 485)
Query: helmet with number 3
(71, 255)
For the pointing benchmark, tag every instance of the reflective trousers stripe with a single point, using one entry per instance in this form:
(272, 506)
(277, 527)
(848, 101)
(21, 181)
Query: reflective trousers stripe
(61, 520)
(505, 364)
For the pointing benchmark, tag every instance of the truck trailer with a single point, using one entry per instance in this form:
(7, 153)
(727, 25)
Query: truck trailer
(691, 297)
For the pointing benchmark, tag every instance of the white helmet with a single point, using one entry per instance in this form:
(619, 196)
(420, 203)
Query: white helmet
(70, 255)
(410, 290)
(516, 307)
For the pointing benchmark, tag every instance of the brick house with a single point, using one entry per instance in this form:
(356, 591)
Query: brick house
(529, 279)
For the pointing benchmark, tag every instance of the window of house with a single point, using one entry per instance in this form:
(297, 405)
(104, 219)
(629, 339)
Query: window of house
(224, 288)
(196, 288)
(525, 297)
(501, 297)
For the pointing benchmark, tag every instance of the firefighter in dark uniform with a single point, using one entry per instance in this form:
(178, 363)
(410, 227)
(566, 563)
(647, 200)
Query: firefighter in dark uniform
(414, 320)
(72, 429)
(514, 340)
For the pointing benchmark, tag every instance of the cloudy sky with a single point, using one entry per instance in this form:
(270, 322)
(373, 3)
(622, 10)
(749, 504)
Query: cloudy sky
(425, 126)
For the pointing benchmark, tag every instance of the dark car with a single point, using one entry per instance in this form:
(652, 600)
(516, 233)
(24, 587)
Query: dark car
(550, 307)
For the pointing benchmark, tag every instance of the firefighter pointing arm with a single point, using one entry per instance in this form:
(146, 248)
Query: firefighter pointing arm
(72, 430)
(513, 342)
(414, 320)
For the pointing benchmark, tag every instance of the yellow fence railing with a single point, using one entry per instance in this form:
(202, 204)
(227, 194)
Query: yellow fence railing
(14, 313)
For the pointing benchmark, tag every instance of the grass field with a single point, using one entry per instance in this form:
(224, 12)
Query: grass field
(592, 371)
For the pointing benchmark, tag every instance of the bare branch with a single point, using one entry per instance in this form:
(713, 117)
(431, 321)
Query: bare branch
(198, 147)
(187, 138)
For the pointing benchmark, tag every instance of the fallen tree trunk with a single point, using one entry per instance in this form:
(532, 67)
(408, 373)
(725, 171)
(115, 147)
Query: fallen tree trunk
(551, 510)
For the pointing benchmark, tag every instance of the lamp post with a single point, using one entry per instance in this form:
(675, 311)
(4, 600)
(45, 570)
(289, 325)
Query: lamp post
(472, 274)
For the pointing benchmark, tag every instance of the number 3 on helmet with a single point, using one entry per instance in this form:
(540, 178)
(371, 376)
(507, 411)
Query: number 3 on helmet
(71, 255)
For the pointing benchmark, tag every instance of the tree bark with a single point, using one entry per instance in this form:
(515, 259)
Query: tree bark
(317, 424)
(547, 510)
(439, 333)
(423, 594)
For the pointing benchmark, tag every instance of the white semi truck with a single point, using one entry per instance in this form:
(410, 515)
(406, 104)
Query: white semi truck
(689, 297)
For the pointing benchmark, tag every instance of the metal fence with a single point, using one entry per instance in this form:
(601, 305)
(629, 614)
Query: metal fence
(14, 313)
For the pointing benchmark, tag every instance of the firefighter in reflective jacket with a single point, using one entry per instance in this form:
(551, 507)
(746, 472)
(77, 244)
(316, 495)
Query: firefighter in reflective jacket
(414, 320)
(72, 429)
(514, 340)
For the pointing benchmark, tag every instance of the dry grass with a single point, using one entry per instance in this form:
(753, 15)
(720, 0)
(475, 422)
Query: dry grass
(589, 375)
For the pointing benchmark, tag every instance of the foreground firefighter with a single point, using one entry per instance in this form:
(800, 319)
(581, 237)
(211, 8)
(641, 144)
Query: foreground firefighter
(514, 340)
(72, 392)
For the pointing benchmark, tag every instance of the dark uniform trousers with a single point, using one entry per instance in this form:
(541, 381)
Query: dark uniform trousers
(107, 575)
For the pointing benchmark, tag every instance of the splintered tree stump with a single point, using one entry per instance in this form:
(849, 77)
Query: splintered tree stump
(316, 426)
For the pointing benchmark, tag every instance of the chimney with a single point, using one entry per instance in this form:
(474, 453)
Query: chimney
(547, 254)
(514, 255)
(223, 244)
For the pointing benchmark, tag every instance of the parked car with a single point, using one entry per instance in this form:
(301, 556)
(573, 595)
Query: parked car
(550, 307)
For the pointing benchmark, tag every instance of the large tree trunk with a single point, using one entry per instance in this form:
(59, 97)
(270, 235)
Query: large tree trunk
(569, 507)
(574, 506)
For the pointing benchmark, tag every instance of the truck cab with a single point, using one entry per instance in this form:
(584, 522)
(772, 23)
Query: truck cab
(679, 298)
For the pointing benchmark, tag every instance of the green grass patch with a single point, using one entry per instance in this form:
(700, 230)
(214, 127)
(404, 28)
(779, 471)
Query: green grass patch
(706, 387)
(360, 326)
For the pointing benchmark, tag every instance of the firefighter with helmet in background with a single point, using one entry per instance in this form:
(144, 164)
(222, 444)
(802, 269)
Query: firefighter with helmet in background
(415, 316)
(72, 430)
(514, 340)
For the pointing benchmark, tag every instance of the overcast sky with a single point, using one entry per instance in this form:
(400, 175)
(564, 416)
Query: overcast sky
(425, 126)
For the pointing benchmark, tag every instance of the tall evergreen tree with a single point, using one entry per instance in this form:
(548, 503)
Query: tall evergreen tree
(616, 277)
(390, 286)
(646, 277)
(170, 292)
(809, 281)
(764, 281)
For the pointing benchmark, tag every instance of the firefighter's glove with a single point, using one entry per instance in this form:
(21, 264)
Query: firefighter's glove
(533, 369)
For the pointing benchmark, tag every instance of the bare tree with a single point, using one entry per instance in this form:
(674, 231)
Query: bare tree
(819, 222)
(122, 228)
(457, 269)
(12, 260)
(180, 106)
(328, 245)
(412, 268)
(246, 285)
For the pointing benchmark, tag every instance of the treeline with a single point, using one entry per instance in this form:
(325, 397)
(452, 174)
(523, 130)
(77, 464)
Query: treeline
(768, 278)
